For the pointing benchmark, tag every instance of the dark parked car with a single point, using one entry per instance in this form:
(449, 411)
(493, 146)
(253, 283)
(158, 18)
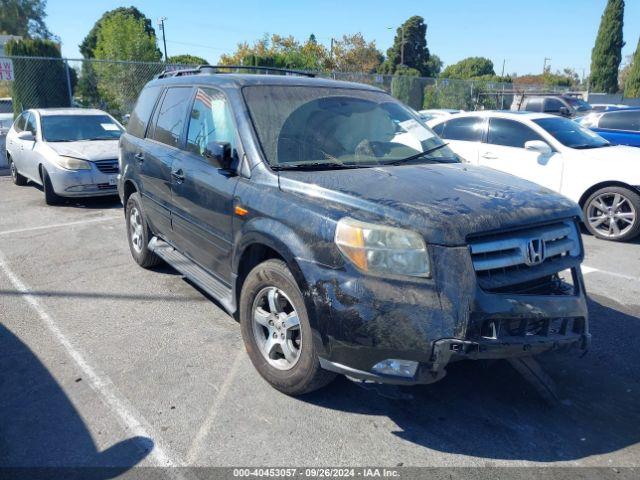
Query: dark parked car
(563, 105)
(342, 233)
(620, 127)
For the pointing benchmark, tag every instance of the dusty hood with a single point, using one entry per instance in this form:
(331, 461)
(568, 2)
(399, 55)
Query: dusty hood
(445, 203)
(87, 150)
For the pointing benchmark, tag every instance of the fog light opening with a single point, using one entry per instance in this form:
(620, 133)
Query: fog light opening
(395, 367)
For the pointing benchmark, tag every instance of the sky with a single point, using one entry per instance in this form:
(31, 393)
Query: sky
(520, 33)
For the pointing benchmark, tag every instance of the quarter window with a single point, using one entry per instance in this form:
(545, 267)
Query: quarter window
(509, 133)
(210, 121)
(171, 116)
(468, 129)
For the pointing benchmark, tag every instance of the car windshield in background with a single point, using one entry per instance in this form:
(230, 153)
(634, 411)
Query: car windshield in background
(311, 127)
(578, 104)
(571, 134)
(6, 122)
(73, 128)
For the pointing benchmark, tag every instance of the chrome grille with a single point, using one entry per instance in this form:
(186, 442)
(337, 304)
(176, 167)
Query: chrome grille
(108, 166)
(511, 258)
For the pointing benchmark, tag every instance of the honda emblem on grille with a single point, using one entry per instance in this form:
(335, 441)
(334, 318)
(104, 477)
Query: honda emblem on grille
(535, 253)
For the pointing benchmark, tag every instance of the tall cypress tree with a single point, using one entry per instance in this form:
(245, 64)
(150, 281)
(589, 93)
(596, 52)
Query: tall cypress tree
(415, 51)
(632, 84)
(607, 51)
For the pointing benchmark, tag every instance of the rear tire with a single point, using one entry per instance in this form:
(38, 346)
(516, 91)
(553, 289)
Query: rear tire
(15, 175)
(291, 365)
(613, 213)
(139, 234)
(50, 196)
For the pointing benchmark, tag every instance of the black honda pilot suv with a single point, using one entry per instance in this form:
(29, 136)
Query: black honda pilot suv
(342, 233)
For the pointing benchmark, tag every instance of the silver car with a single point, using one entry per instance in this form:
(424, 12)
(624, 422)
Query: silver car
(71, 152)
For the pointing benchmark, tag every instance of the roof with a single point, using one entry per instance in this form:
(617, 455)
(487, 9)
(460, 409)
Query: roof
(69, 111)
(514, 115)
(234, 80)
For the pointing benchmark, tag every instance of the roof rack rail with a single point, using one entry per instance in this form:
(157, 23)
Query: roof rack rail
(215, 69)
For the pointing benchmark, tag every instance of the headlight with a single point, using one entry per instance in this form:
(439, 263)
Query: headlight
(70, 163)
(380, 249)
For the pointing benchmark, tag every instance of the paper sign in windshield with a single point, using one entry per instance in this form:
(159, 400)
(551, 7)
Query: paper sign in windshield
(110, 127)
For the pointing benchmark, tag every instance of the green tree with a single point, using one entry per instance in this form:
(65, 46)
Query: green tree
(124, 37)
(632, 82)
(406, 86)
(471, 67)
(415, 51)
(607, 51)
(187, 59)
(352, 53)
(434, 65)
(38, 83)
(24, 18)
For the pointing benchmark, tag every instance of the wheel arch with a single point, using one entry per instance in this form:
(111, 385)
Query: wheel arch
(598, 186)
(128, 189)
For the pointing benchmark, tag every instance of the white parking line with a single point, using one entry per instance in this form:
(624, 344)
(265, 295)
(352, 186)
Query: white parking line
(586, 270)
(59, 225)
(130, 419)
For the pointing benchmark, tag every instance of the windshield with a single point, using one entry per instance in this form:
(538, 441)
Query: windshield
(302, 126)
(72, 128)
(578, 104)
(571, 134)
(6, 122)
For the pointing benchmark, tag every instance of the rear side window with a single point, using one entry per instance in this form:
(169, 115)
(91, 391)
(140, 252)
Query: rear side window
(467, 129)
(171, 116)
(621, 121)
(142, 111)
(210, 121)
(509, 133)
(533, 105)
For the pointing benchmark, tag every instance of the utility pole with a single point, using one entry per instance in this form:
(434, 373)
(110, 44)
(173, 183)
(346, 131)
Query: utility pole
(161, 21)
(503, 63)
(544, 66)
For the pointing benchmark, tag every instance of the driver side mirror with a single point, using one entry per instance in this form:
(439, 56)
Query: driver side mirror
(218, 154)
(26, 136)
(538, 146)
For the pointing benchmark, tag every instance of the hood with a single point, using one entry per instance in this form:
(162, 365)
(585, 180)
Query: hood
(444, 202)
(91, 150)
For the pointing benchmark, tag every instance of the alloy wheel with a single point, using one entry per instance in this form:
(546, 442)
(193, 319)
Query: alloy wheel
(135, 226)
(611, 214)
(276, 328)
(14, 171)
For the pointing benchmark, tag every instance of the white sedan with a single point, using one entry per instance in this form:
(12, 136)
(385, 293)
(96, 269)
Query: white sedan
(559, 154)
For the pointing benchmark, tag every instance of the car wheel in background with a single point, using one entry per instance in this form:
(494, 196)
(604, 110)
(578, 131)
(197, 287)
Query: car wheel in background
(15, 176)
(139, 234)
(613, 213)
(50, 196)
(276, 330)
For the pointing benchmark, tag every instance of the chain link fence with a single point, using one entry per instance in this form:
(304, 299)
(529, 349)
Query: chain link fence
(114, 86)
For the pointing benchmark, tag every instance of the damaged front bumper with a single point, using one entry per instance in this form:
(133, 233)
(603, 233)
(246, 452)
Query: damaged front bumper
(363, 320)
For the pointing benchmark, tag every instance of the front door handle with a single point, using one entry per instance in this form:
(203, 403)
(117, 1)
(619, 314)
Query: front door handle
(488, 156)
(139, 156)
(178, 175)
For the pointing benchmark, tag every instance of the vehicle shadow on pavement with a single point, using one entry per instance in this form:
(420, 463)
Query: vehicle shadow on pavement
(39, 426)
(487, 410)
(90, 203)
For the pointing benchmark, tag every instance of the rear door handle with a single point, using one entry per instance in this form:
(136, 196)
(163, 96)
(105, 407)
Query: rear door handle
(139, 156)
(178, 175)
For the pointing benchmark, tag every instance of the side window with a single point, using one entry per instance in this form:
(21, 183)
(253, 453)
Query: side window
(553, 105)
(509, 133)
(533, 105)
(171, 116)
(18, 125)
(438, 129)
(210, 121)
(621, 121)
(30, 125)
(468, 129)
(142, 111)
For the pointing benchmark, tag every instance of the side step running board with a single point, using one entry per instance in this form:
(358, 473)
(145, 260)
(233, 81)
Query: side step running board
(194, 273)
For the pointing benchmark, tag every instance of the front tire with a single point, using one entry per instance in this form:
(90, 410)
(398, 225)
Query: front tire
(139, 234)
(15, 175)
(276, 330)
(50, 196)
(613, 213)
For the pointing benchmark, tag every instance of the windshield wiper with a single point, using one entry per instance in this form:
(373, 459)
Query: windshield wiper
(320, 166)
(417, 155)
